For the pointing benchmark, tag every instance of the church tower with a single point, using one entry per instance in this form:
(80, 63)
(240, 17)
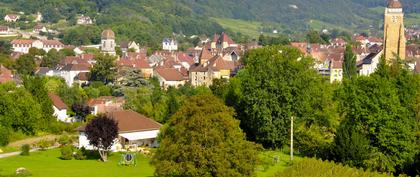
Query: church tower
(394, 35)
(108, 42)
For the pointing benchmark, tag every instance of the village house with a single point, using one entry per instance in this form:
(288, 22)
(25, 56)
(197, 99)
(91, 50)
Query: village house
(4, 30)
(106, 104)
(169, 77)
(336, 74)
(368, 65)
(134, 129)
(38, 17)
(169, 44)
(84, 20)
(39, 28)
(11, 17)
(23, 45)
(222, 42)
(70, 71)
(60, 108)
(127, 47)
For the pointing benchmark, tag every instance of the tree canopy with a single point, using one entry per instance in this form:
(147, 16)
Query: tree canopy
(203, 139)
(101, 133)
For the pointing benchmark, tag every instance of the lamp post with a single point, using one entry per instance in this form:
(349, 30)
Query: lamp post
(291, 138)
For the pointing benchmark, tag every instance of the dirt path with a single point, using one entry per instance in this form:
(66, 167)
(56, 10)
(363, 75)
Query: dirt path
(34, 140)
(10, 154)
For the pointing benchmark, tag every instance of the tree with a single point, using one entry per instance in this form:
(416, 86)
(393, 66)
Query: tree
(104, 70)
(380, 108)
(52, 58)
(349, 64)
(81, 111)
(25, 65)
(203, 139)
(36, 86)
(101, 133)
(279, 82)
(133, 78)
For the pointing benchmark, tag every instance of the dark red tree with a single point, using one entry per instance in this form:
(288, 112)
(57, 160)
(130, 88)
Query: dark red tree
(101, 133)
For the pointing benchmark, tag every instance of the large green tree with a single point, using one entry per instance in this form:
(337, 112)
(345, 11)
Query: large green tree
(36, 86)
(277, 83)
(25, 64)
(203, 139)
(349, 64)
(104, 70)
(381, 108)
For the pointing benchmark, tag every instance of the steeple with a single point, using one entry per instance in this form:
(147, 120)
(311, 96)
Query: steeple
(394, 34)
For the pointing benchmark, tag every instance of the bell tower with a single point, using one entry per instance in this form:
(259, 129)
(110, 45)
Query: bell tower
(394, 35)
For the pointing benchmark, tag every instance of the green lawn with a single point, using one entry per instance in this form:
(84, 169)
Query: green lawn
(48, 164)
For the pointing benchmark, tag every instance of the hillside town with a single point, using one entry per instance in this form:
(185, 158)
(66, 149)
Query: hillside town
(145, 90)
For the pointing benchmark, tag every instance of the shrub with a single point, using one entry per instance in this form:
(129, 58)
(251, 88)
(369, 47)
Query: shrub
(64, 140)
(25, 149)
(314, 168)
(67, 152)
(80, 154)
(4, 136)
(43, 145)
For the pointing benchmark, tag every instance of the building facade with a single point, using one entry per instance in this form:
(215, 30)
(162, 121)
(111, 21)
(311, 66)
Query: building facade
(108, 42)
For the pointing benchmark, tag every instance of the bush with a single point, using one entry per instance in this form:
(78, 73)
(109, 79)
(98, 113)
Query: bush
(25, 149)
(67, 152)
(43, 145)
(80, 154)
(64, 140)
(312, 167)
(4, 136)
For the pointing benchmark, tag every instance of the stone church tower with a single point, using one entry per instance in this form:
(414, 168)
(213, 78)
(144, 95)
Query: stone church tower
(108, 42)
(394, 35)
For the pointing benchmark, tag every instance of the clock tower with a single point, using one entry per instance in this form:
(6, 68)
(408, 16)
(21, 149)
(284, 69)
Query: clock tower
(394, 35)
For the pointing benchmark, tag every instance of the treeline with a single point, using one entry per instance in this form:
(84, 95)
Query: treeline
(365, 122)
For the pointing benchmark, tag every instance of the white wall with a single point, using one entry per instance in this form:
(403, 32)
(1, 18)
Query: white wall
(61, 114)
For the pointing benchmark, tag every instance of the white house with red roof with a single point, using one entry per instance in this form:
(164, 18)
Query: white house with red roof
(4, 30)
(23, 45)
(11, 17)
(60, 108)
(134, 130)
(71, 72)
(169, 77)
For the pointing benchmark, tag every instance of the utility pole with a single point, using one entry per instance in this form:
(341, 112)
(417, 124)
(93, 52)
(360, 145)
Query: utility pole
(291, 139)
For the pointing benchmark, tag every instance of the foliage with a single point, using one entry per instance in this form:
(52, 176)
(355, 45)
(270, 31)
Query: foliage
(80, 154)
(36, 86)
(64, 140)
(349, 64)
(104, 70)
(25, 149)
(67, 152)
(267, 40)
(4, 135)
(81, 111)
(43, 144)
(133, 78)
(381, 108)
(314, 37)
(52, 58)
(72, 95)
(101, 133)
(312, 167)
(25, 64)
(19, 111)
(279, 82)
(203, 139)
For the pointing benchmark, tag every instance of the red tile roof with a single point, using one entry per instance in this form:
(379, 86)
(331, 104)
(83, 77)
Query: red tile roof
(22, 41)
(170, 74)
(57, 102)
(394, 4)
(130, 121)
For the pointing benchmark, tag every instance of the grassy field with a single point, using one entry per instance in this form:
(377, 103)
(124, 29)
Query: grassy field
(248, 28)
(48, 164)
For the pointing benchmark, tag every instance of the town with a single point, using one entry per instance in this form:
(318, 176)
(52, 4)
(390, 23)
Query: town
(220, 100)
